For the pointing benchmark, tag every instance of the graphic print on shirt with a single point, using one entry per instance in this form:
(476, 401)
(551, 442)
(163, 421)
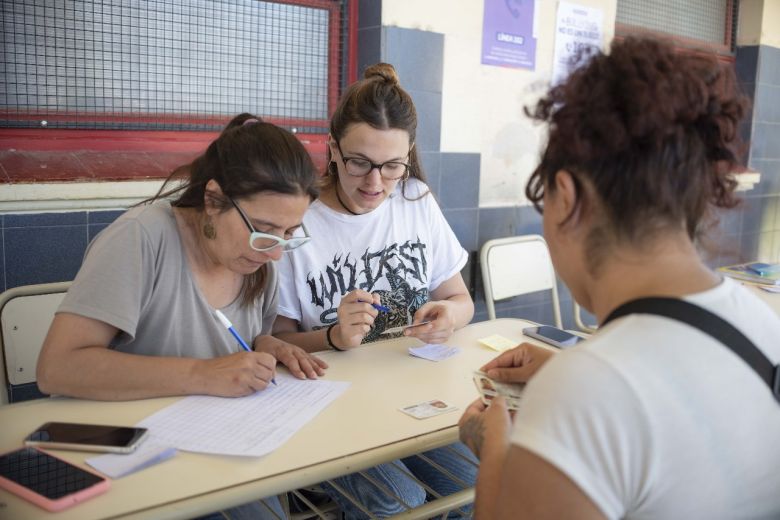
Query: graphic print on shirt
(401, 267)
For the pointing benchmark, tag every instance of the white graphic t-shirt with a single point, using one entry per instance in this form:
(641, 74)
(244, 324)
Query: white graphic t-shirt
(402, 251)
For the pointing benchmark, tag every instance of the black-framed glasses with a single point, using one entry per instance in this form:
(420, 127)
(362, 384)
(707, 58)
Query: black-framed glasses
(360, 166)
(264, 241)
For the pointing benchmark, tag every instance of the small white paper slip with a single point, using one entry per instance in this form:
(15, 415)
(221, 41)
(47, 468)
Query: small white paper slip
(428, 409)
(148, 454)
(770, 288)
(433, 352)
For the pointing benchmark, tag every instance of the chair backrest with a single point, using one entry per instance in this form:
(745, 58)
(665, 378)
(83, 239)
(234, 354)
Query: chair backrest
(580, 322)
(517, 265)
(25, 315)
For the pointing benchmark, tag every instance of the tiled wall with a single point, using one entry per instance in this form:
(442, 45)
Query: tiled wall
(758, 70)
(46, 247)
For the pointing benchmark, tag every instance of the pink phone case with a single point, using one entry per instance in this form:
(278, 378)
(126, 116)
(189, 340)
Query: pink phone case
(62, 502)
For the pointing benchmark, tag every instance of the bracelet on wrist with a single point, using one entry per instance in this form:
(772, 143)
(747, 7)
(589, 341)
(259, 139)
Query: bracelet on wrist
(329, 339)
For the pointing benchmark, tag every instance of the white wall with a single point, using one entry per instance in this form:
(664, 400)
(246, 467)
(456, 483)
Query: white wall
(482, 105)
(759, 22)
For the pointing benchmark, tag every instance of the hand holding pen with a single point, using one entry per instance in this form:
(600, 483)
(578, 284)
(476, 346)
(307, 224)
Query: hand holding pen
(229, 326)
(356, 314)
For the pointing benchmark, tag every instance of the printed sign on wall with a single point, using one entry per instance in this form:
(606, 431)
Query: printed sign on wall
(577, 28)
(508, 38)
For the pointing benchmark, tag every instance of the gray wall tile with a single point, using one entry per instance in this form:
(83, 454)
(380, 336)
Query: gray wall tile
(103, 217)
(431, 165)
(746, 63)
(766, 108)
(759, 215)
(459, 180)
(369, 48)
(428, 105)
(43, 254)
(497, 223)
(464, 223)
(369, 13)
(769, 65)
(22, 220)
(417, 57)
(765, 141)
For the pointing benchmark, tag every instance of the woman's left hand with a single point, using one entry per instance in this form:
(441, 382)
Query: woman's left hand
(300, 363)
(441, 326)
(483, 428)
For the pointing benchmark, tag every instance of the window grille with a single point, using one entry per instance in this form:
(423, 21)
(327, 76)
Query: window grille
(170, 64)
(698, 23)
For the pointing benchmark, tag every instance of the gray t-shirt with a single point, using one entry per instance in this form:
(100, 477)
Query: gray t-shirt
(136, 277)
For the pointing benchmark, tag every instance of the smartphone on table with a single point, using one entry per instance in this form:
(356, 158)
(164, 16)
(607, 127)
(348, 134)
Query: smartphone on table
(87, 437)
(48, 481)
(553, 336)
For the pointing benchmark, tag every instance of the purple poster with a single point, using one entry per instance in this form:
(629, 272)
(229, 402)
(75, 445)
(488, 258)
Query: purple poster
(507, 34)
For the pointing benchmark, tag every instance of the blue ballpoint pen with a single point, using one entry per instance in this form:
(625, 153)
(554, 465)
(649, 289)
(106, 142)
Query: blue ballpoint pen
(380, 308)
(229, 326)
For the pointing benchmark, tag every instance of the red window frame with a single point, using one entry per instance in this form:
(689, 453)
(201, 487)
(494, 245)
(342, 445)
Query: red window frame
(48, 154)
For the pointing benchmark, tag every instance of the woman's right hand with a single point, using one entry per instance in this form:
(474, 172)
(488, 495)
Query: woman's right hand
(356, 317)
(519, 364)
(235, 375)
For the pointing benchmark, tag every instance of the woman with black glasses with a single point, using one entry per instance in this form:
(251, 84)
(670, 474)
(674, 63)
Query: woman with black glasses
(139, 320)
(381, 256)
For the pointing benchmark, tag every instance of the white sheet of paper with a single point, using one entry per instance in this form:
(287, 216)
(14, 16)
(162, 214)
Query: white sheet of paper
(147, 454)
(433, 352)
(253, 425)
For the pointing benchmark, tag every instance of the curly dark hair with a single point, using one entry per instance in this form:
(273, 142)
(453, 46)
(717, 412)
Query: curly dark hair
(655, 132)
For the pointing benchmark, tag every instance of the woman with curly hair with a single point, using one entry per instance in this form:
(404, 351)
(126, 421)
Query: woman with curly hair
(651, 417)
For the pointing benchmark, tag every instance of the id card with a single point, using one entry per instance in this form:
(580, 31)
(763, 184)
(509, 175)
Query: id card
(488, 389)
(428, 409)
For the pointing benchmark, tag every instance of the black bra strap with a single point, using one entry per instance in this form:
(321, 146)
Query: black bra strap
(708, 323)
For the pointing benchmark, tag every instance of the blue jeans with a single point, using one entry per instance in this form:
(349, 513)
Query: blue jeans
(251, 511)
(379, 503)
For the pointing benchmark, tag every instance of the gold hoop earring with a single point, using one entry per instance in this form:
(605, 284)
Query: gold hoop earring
(208, 229)
(332, 168)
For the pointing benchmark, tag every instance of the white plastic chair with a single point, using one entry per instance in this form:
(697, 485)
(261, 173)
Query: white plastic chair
(590, 329)
(517, 265)
(25, 315)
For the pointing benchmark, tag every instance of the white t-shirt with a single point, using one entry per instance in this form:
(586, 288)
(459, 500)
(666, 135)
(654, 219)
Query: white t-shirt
(402, 250)
(652, 418)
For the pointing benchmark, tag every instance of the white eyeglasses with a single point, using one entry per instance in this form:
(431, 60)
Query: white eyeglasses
(265, 242)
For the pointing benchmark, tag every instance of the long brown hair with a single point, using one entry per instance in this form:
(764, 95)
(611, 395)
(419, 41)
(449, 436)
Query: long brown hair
(379, 101)
(249, 157)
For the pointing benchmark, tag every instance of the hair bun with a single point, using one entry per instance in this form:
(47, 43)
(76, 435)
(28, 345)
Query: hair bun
(382, 70)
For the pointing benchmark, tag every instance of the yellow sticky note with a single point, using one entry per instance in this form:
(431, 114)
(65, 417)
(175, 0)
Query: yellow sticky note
(497, 342)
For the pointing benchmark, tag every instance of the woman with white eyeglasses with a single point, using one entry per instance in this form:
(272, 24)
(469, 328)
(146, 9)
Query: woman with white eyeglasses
(381, 256)
(140, 319)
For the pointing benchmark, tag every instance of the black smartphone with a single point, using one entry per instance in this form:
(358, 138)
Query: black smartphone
(87, 437)
(553, 336)
(48, 481)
